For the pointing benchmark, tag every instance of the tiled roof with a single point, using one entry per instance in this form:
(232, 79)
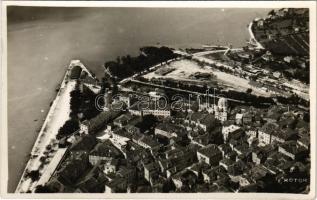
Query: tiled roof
(209, 150)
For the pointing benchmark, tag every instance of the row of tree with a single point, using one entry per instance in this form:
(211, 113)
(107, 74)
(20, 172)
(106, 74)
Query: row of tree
(126, 66)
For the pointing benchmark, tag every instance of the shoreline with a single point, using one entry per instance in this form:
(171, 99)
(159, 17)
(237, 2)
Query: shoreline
(252, 37)
(38, 147)
(36, 132)
(37, 100)
(41, 132)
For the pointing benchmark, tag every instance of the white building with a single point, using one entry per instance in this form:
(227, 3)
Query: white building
(239, 118)
(222, 105)
(264, 137)
(226, 130)
(151, 109)
(221, 110)
(210, 155)
(120, 137)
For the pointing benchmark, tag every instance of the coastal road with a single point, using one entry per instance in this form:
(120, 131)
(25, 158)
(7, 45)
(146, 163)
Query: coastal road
(216, 51)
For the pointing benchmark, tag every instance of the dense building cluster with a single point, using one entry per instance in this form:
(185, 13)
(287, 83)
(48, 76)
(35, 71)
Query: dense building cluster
(250, 150)
(284, 31)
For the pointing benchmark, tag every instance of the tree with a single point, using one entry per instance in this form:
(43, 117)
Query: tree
(118, 60)
(48, 147)
(127, 65)
(42, 159)
(249, 91)
(195, 106)
(147, 122)
(75, 101)
(134, 88)
(34, 175)
(42, 189)
(69, 127)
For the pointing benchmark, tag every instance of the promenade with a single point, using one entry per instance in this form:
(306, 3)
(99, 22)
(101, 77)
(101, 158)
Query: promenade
(56, 117)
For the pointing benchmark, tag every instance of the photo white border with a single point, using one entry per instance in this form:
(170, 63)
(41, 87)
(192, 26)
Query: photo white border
(162, 4)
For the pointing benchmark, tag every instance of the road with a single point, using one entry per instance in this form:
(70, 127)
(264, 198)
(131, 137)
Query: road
(187, 91)
(153, 68)
(216, 51)
(258, 44)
